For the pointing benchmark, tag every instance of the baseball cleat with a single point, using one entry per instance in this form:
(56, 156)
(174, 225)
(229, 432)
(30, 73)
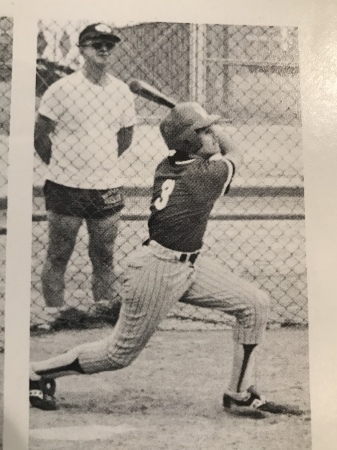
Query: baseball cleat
(41, 394)
(255, 402)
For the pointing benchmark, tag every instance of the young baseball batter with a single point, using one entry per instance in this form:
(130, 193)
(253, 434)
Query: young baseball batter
(169, 268)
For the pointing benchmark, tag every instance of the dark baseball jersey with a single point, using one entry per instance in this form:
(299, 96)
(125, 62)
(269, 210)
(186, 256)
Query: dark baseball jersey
(184, 193)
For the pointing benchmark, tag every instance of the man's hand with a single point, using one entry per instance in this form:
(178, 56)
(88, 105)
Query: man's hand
(43, 127)
(124, 139)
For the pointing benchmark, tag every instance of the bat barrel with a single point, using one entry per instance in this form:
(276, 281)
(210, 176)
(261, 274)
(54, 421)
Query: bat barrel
(149, 92)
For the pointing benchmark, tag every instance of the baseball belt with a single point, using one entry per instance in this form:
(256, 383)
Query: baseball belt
(160, 250)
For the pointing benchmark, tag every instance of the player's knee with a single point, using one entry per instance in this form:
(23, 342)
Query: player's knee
(256, 310)
(126, 361)
(121, 362)
(262, 306)
(121, 355)
(263, 300)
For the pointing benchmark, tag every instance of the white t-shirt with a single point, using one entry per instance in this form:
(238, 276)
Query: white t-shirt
(84, 142)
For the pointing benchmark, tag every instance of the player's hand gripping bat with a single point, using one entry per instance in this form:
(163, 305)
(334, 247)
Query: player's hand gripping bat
(149, 92)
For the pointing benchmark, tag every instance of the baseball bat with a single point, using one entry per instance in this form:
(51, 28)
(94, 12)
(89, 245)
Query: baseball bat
(149, 92)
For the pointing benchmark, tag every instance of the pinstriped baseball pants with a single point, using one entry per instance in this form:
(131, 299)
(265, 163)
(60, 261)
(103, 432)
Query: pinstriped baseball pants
(153, 284)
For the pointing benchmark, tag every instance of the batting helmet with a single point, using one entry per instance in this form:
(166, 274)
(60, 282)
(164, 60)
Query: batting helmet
(179, 127)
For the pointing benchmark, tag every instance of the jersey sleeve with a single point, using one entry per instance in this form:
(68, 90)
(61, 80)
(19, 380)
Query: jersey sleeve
(52, 102)
(230, 168)
(209, 179)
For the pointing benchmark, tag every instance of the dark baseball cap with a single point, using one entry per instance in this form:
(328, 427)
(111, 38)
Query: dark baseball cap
(98, 31)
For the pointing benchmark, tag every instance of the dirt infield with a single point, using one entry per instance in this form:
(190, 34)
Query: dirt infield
(170, 397)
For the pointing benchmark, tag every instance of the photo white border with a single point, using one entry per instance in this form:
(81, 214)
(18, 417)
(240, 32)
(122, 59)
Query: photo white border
(316, 20)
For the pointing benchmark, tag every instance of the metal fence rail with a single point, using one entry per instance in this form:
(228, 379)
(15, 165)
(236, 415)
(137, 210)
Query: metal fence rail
(6, 41)
(249, 75)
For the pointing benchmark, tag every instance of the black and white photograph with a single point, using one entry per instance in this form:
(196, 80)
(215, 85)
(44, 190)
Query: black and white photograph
(169, 303)
(168, 235)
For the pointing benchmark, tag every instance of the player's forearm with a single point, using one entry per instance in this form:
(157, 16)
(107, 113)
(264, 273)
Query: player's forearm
(227, 147)
(124, 139)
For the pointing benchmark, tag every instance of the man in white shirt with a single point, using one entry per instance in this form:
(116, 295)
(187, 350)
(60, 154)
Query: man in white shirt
(85, 122)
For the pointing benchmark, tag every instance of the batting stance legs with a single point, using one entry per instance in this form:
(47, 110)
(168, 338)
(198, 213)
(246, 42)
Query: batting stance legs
(155, 281)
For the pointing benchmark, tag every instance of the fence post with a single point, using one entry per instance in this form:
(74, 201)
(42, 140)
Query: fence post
(197, 63)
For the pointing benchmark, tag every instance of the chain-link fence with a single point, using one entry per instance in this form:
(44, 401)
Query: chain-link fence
(6, 43)
(249, 75)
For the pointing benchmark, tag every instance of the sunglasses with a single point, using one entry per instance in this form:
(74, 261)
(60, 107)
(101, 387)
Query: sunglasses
(100, 45)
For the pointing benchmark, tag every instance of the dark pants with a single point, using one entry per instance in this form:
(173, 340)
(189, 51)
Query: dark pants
(63, 229)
